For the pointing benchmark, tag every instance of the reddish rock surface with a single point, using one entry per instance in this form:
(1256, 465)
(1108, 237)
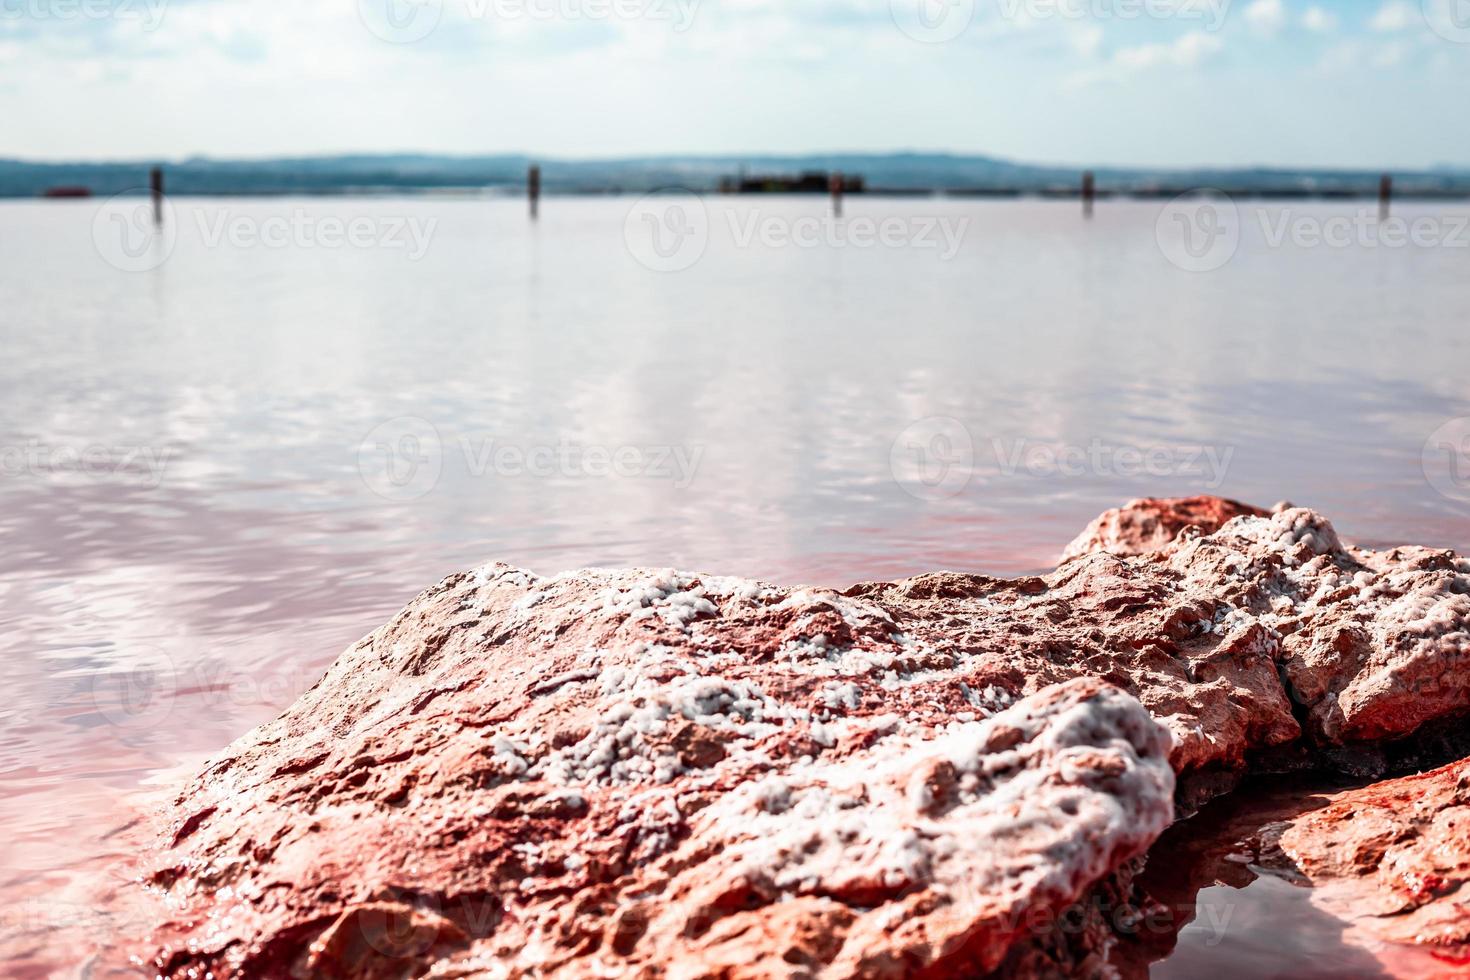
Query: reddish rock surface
(1148, 525)
(661, 774)
(1394, 860)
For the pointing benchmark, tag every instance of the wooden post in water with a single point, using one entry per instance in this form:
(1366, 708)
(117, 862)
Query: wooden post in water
(1385, 196)
(155, 181)
(1089, 192)
(533, 189)
(834, 184)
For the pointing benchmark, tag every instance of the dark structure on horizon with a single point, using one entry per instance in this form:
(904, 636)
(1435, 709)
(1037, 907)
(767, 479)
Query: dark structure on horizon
(807, 182)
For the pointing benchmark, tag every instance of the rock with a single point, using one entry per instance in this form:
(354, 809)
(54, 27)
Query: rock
(1148, 525)
(594, 836)
(1393, 859)
(639, 773)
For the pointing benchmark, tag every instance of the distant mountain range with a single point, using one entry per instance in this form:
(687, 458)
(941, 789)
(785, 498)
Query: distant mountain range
(892, 172)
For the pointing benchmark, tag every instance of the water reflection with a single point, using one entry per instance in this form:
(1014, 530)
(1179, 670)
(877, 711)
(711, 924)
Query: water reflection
(153, 614)
(1229, 915)
(1238, 907)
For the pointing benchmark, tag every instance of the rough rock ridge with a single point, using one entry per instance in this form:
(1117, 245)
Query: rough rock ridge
(661, 774)
(1144, 526)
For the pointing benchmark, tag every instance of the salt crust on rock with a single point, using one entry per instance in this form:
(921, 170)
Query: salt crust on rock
(662, 774)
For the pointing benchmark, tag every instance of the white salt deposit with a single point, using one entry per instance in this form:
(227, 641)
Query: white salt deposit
(622, 749)
(1089, 778)
(673, 596)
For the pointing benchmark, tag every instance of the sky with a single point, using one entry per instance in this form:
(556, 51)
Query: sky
(1356, 83)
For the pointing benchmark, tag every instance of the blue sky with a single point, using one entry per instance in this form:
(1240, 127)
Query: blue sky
(1370, 83)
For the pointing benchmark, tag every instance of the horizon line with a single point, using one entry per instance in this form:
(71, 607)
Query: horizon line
(725, 157)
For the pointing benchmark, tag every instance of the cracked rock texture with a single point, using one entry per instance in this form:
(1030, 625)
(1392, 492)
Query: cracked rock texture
(659, 774)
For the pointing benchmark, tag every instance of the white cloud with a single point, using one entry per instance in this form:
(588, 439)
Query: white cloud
(1186, 51)
(1087, 40)
(1266, 17)
(1352, 56)
(1341, 57)
(272, 78)
(1395, 15)
(1390, 55)
(1319, 21)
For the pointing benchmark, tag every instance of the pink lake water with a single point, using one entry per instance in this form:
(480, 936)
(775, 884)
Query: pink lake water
(217, 473)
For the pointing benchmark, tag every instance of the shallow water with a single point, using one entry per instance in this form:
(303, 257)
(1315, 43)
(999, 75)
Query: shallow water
(1229, 913)
(218, 472)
